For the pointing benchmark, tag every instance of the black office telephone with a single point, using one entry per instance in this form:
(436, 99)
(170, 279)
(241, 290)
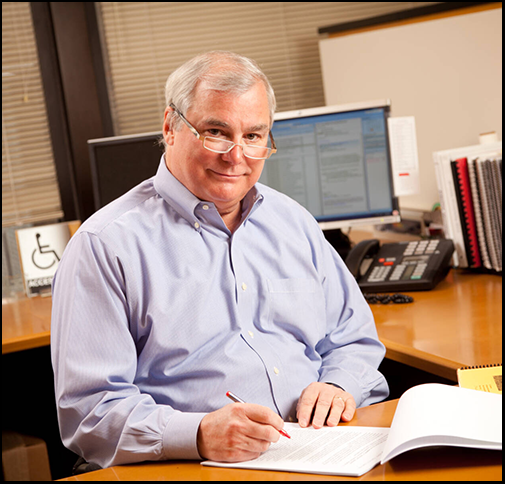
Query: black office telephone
(403, 266)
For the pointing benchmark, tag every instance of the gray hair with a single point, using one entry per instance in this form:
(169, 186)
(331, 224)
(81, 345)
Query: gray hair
(222, 71)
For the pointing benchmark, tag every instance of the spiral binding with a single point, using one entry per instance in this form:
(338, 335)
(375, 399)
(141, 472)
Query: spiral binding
(476, 367)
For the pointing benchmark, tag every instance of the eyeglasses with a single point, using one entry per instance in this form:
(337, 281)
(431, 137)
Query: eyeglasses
(218, 145)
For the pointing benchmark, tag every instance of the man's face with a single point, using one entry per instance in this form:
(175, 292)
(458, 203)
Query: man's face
(223, 179)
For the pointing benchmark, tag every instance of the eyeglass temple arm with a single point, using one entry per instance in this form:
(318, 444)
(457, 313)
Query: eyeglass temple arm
(193, 130)
(274, 147)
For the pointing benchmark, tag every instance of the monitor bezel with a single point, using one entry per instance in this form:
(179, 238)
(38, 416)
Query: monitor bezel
(394, 217)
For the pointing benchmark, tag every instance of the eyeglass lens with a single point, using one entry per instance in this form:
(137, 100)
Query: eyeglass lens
(224, 146)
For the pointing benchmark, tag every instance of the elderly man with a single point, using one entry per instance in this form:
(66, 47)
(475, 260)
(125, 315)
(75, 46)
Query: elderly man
(201, 281)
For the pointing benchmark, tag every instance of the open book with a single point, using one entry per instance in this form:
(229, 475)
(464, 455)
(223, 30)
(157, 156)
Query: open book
(426, 415)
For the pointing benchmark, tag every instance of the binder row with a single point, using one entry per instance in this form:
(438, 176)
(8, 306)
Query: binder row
(470, 189)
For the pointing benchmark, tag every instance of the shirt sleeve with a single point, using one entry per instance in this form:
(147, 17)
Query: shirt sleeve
(351, 351)
(102, 414)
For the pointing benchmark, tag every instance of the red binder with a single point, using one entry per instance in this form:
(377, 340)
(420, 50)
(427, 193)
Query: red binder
(468, 219)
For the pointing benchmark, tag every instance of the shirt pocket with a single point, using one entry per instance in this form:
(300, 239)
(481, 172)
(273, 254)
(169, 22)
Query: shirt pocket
(297, 307)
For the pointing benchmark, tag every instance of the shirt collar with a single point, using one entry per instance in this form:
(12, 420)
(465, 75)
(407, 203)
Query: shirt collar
(186, 204)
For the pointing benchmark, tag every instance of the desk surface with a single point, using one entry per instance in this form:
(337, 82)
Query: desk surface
(459, 323)
(435, 463)
(26, 323)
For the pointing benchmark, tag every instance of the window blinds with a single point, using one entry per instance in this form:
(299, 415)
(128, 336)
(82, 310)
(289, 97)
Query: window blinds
(29, 185)
(146, 41)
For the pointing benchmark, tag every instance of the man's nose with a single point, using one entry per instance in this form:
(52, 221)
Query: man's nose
(235, 155)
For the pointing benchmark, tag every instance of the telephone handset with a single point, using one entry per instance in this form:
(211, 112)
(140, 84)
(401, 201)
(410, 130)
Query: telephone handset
(402, 266)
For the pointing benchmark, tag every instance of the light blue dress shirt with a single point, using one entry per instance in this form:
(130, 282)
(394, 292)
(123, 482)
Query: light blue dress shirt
(158, 311)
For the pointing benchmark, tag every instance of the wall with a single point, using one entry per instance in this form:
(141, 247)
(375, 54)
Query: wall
(445, 72)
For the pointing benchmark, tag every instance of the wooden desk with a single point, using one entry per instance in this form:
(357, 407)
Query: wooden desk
(436, 463)
(459, 323)
(26, 324)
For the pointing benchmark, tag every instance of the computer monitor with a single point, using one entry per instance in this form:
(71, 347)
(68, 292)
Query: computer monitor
(119, 163)
(336, 162)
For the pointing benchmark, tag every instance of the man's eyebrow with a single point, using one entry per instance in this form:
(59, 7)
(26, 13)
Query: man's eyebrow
(259, 127)
(223, 124)
(216, 122)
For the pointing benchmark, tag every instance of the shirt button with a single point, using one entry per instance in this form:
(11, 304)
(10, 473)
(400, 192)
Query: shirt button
(276, 370)
(244, 286)
(197, 225)
(205, 207)
(251, 334)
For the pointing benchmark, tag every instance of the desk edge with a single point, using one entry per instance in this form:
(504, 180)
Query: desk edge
(20, 343)
(422, 360)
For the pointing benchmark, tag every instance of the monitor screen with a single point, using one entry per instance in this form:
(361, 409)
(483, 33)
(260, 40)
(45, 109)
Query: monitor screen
(119, 163)
(336, 162)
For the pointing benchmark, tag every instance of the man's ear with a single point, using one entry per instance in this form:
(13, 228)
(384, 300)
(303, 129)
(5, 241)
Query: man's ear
(168, 132)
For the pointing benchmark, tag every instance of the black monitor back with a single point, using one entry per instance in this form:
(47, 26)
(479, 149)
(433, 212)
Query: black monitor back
(121, 162)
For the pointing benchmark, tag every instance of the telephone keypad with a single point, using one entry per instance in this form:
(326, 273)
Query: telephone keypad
(379, 273)
(407, 269)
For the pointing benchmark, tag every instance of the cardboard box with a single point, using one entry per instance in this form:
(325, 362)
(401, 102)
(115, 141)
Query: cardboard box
(24, 458)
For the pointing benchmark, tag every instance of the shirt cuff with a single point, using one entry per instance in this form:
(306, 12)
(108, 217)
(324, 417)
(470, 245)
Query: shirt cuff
(346, 383)
(179, 437)
(335, 385)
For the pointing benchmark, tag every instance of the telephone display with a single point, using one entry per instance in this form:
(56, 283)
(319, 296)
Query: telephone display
(402, 266)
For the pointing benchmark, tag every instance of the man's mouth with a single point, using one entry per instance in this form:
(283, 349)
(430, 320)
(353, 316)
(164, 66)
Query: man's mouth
(231, 176)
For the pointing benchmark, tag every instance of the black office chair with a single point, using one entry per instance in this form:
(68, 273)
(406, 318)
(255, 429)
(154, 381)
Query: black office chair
(81, 467)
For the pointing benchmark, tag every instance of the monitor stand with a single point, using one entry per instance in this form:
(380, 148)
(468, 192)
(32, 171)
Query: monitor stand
(340, 242)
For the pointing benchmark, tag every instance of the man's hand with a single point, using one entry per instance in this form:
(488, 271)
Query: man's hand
(326, 403)
(238, 432)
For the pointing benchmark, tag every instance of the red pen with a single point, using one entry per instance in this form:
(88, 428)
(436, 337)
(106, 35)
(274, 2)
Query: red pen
(236, 399)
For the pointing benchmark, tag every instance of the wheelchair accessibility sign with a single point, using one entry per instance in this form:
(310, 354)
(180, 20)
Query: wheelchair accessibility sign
(40, 250)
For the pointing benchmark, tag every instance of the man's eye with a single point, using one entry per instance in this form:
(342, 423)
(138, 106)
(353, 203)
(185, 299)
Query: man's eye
(214, 132)
(253, 137)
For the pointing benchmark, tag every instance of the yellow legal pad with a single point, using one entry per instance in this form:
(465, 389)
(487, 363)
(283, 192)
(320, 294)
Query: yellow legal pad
(487, 378)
